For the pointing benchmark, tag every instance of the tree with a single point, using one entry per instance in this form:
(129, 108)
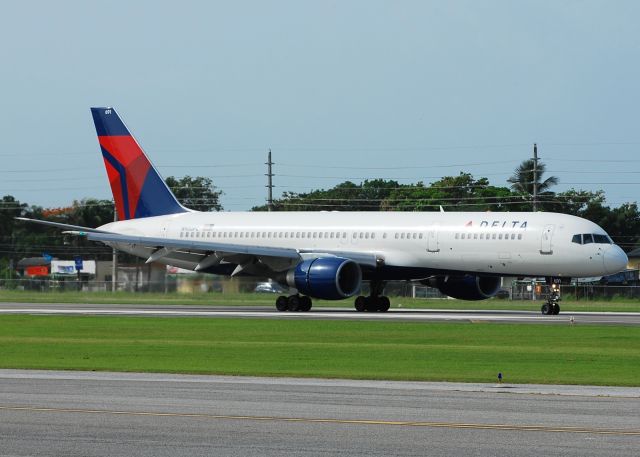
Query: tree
(523, 182)
(346, 196)
(197, 193)
(461, 193)
(10, 208)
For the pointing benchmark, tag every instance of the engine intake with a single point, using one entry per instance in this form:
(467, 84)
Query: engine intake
(468, 287)
(329, 278)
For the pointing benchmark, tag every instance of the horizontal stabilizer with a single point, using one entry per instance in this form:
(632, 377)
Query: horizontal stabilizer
(76, 229)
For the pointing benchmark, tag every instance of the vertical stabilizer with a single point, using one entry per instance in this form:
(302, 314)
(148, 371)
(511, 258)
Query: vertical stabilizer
(138, 189)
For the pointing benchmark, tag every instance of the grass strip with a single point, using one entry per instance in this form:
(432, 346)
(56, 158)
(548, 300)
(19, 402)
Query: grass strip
(595, 355)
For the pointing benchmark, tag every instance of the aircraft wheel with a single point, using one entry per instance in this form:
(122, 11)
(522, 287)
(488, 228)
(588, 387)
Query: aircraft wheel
(282, 304)
(546, 309)
(360, 304)
(384, 304)
(371, 304)
(555, 309)
(305, 303)
(294, 303)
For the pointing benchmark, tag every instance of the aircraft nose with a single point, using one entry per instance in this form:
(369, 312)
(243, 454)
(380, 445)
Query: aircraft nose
(615, 260)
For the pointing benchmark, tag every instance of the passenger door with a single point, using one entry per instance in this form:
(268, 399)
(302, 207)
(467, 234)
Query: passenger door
(432, 240)
(545, 241)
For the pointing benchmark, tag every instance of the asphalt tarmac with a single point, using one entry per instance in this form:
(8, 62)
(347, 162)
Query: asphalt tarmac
(121, 414)
(395, 314)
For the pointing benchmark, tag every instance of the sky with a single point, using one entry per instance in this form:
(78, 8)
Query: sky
(406, 90)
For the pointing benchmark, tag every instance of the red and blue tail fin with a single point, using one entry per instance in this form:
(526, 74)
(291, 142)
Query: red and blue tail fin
(138, 189)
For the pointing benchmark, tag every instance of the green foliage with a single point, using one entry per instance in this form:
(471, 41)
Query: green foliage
(462, 193)
(197, 193)
(346, 196)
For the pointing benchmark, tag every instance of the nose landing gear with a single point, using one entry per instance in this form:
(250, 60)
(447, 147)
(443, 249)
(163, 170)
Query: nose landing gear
(551, 307)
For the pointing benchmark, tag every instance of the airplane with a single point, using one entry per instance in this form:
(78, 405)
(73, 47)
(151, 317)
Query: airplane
(328, 255)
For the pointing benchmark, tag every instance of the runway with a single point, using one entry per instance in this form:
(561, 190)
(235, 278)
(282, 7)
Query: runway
(100, 414)
(395, 314)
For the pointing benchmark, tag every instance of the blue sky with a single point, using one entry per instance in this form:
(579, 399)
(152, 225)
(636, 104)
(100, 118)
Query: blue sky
(337, 89)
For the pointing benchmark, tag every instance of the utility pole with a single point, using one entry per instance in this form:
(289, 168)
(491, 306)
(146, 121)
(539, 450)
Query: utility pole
(535, 177)
(114, 257)
(270, 183)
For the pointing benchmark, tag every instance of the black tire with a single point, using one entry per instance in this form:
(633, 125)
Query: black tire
(360, 304)
(305, 303)
(546, 309)
(294, 303)
(384, 304)
(282, 304)
(371, 304)
(555, 309)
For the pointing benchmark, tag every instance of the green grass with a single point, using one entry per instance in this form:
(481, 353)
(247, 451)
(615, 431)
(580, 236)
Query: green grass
(598, 355)
(251, 299)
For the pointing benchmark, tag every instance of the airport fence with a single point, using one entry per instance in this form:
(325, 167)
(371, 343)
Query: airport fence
(522, 291)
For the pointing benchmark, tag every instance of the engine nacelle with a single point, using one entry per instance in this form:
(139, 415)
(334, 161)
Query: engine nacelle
(329, 278)
(468, 287)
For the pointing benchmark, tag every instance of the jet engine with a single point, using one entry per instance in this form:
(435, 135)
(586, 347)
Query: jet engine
(329, 278)
(467, 287)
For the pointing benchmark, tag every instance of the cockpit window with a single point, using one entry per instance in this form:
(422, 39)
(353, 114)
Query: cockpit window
(604, 239)
(588, 238)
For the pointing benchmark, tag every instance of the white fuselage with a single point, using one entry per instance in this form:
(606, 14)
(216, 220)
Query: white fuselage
(506, 244)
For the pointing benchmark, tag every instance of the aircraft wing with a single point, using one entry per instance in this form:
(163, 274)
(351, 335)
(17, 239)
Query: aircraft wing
(192, 245)
(210, 253)
(164, 246)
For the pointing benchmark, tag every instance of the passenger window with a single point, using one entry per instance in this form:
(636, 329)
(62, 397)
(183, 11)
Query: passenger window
(500, 236)
(420, 236)
(366, 236)
(519, 236)
(396, 236)
(493, 236)
(513, 236)
(462, 236)
(475, 236)
(402, 236)
(587, 238)
(384, 236)
(457, 236)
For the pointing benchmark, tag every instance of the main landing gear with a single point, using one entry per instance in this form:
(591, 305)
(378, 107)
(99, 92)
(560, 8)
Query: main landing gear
(293, 303)
(376, 302)
(551, 307)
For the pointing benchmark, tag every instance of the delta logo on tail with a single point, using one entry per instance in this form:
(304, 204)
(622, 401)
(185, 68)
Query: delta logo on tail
(138, 189)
